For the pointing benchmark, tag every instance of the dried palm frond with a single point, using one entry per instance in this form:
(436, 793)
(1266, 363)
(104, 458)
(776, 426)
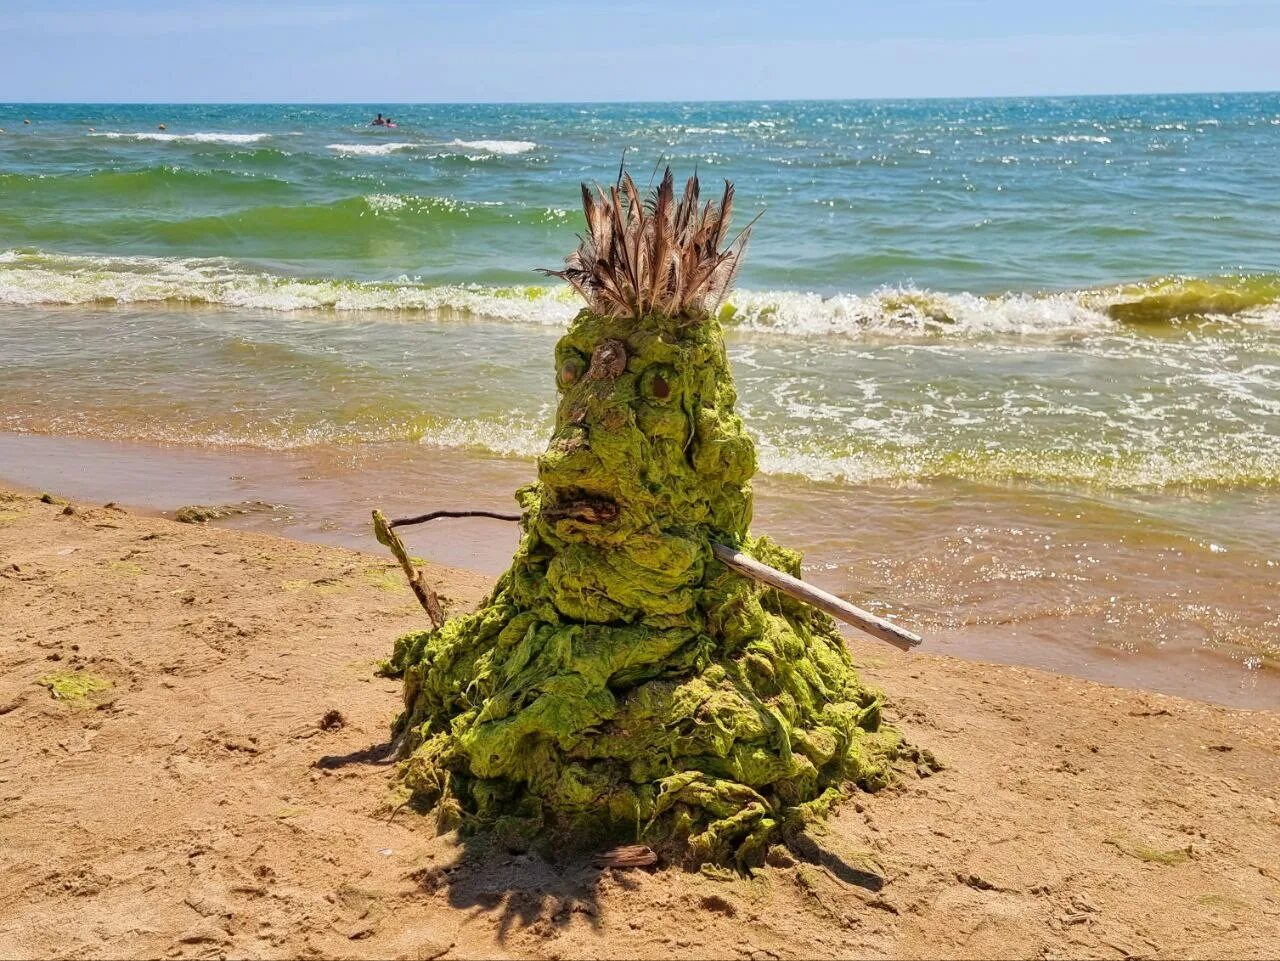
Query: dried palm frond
(655, 256)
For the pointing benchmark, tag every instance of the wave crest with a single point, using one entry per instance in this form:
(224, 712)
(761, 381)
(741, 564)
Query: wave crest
(370, 149)
(30, 279)
(33, 277)
(198, 137)
(495, 146)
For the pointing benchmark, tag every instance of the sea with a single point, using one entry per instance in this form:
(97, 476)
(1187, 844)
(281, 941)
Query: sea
(1012, 365)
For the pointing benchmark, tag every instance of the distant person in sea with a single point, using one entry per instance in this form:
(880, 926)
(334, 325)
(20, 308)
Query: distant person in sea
(378, 121)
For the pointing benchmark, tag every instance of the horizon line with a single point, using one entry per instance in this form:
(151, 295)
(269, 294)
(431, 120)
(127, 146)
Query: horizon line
(559, 103)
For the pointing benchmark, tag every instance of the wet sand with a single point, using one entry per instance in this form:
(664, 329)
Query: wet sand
(201, 805)
(1170, 593)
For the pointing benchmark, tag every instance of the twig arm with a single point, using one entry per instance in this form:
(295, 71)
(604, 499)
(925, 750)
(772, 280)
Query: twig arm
(837, 607)
(434, 515)
(426, 596)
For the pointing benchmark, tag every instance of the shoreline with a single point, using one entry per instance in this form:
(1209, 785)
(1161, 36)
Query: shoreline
(1132, 824)
(876, 546)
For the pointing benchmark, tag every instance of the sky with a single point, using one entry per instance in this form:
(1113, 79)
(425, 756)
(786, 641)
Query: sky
(398, 51)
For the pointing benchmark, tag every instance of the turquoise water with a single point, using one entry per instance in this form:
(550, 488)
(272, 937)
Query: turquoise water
(981, 196)
(1067, 291)
(1013, 366)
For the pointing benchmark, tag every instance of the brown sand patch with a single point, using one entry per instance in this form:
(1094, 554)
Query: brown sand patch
(225, 795)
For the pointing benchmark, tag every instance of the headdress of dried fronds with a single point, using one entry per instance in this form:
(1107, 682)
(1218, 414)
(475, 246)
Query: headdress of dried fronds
(657, 256)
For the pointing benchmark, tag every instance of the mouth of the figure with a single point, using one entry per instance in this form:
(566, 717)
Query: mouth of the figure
(581, 506)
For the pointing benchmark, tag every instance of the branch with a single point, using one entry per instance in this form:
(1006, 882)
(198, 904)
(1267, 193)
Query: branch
(837, 607)
(433, 515)
(426, 596)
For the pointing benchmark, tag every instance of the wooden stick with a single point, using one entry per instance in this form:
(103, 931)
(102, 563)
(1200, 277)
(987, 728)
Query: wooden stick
(422, 590)
(839, 608)
(433, 515)
(899, 637)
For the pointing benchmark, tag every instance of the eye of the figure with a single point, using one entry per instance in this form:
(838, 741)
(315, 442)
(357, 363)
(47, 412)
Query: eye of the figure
(657, 383)
(571, 370)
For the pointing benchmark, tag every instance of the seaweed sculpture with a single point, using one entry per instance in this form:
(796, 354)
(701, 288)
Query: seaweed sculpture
(623, 682)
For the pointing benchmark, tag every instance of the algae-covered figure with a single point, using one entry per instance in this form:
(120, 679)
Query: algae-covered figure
(620, 683)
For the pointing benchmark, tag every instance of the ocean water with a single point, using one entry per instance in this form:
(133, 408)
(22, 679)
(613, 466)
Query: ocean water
(1054, 321)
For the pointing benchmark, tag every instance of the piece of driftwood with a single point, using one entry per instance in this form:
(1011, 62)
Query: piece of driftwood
(837, 607)
(433, 515)
(421, 589)
(627, 856)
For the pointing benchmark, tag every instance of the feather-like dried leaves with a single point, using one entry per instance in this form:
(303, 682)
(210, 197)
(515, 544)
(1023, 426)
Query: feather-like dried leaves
(656, 255)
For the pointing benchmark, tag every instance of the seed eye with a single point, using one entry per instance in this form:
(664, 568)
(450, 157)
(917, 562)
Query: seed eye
(571, 370)
(656, 383)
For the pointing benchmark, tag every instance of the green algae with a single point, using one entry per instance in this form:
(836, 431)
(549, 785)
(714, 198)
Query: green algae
(1228, 901)
(200, 514)
(385, 578)
(1151, 854)
(620, 683)
(1157, 856)
(73, 685)
(322, 585)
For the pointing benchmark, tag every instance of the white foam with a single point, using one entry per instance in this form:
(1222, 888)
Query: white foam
(495, 146)
(227, 138)
(895, 312)
(30, 279)
(507, 437)
(371, 149)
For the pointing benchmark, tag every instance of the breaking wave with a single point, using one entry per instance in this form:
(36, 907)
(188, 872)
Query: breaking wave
(199, 137)
(475, 149)
(495, 146)
(370, 149)
(43, 279)
(30, 277)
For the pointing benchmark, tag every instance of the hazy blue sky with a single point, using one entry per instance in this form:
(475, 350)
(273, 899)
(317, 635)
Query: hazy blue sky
(399, 51)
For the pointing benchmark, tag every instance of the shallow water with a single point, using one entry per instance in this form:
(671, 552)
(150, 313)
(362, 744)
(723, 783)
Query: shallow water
(1013, 366)
(1118, 589)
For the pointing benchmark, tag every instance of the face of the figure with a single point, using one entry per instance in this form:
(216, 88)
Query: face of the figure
(647, 462)
(645, 430)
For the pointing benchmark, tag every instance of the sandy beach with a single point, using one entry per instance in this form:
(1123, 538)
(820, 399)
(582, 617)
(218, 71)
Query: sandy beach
(707, 481)
(208, 783)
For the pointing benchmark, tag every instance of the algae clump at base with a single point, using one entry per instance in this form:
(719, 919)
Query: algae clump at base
(73, 685)
(621, 684)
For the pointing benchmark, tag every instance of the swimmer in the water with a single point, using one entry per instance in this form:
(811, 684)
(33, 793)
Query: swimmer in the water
(378, 121)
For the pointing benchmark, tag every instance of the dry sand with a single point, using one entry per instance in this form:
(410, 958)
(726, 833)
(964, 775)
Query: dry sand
(198, 806)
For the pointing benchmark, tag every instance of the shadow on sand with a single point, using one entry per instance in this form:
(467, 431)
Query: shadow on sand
(379, 754)
(526, 889)
(541, 889)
